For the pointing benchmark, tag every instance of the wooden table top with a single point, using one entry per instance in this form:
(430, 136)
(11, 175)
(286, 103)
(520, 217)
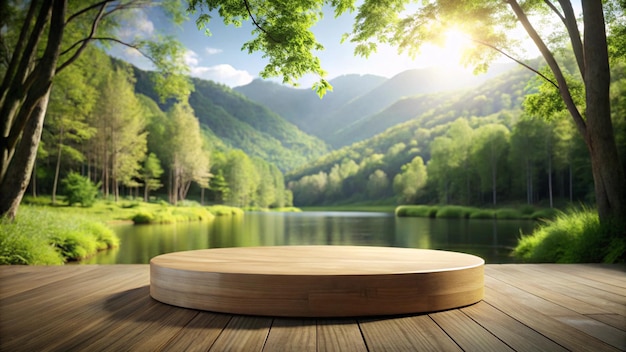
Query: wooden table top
(317, 260)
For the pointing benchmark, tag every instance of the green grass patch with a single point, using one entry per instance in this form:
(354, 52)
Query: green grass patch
(423, 211)
(453, 212)
(544, 214)
(482, 214)
(287, 210)
(382, 208)
(574, 237)
(225, 210)
(509, 214)
(50, 236)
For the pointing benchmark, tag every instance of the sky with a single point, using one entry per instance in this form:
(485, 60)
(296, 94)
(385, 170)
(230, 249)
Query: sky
(219, 57)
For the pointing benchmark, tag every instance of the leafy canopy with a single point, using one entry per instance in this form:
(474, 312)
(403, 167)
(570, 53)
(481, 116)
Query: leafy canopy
(283, 29)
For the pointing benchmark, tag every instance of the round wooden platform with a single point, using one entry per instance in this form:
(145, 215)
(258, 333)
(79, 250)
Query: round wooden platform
(317, 281)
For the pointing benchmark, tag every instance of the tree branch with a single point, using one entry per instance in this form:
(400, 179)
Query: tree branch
(85, 42)
(256, 24)
(517, 61)
(555, 10)
(554, 66)
(87, 9)
(574, 34)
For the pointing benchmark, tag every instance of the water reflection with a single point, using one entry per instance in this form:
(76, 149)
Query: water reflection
(489, 239)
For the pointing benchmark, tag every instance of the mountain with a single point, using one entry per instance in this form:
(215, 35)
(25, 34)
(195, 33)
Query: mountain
(504, 91)
(356, 98)
(303, 107)
(415, 122)
(241, 123)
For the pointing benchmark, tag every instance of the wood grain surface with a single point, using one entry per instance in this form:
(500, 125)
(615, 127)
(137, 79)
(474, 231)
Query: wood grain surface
(317, 281)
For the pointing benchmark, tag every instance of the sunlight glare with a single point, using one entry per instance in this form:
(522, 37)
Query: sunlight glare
(449, 53)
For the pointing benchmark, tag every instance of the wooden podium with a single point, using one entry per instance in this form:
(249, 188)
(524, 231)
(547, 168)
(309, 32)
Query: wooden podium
(317, 281)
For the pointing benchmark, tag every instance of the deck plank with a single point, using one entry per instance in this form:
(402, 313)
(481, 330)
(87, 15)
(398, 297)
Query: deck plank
(108, 308)
(56, 310)
(200, 334)
(534, 315)
(339, 336)
(593, 295)
(467, 333)
(243, 333)
(292, 335)
(415, 333)
(17, 279)
(515, 334)
(615, 320)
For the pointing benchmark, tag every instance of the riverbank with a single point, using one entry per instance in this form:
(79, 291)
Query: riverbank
(46, 234)
(463, 212)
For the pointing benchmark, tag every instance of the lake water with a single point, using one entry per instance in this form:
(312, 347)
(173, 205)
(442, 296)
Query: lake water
(489, 239)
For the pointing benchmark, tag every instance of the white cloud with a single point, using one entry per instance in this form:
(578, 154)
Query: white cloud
(144, 25)
(137, 26)
(191, 58)
(224, 73)
(213, 51)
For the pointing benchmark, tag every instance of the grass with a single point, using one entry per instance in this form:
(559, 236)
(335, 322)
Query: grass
(574, 237)
(462, 212)
(453, 212)
(47, 236)
(423, 211)
(353, 207)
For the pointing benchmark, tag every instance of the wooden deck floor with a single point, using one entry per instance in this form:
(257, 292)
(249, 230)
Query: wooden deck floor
(108, 308)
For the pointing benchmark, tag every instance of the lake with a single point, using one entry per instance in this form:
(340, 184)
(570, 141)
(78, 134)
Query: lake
(492, 240)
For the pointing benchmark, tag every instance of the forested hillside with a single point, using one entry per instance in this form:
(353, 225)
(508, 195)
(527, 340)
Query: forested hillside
(357, 98)
(242, 124)
(473, 147)
(104, 126)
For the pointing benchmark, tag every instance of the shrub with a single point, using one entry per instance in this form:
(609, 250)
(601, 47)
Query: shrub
(224, 210)
(22, 243)
(482, 214)
(544, 214)
(63, 237)
(424, 211)
(576, 237)
(508, 214)
(287, 210)
(453, 211)
(142, 217)
(79, 189)
(74, 245)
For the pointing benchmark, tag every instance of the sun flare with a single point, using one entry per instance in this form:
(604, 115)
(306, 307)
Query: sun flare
(449, 52)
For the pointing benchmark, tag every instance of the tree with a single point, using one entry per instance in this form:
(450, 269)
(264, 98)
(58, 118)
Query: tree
(377, 184)
(411, 180)
(283, 33)
(489, 150)
(219, 187)
(72, 100)
(150, 174)
(43, 38)
(242, 178)
(188, 161)
(120, 142)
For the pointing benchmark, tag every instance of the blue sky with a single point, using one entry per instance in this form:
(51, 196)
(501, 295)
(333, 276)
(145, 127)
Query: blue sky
(219, 57)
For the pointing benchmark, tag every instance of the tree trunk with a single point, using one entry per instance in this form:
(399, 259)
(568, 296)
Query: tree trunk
(57, 169)
(17, 177)
(608, 175)
(24, 106)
